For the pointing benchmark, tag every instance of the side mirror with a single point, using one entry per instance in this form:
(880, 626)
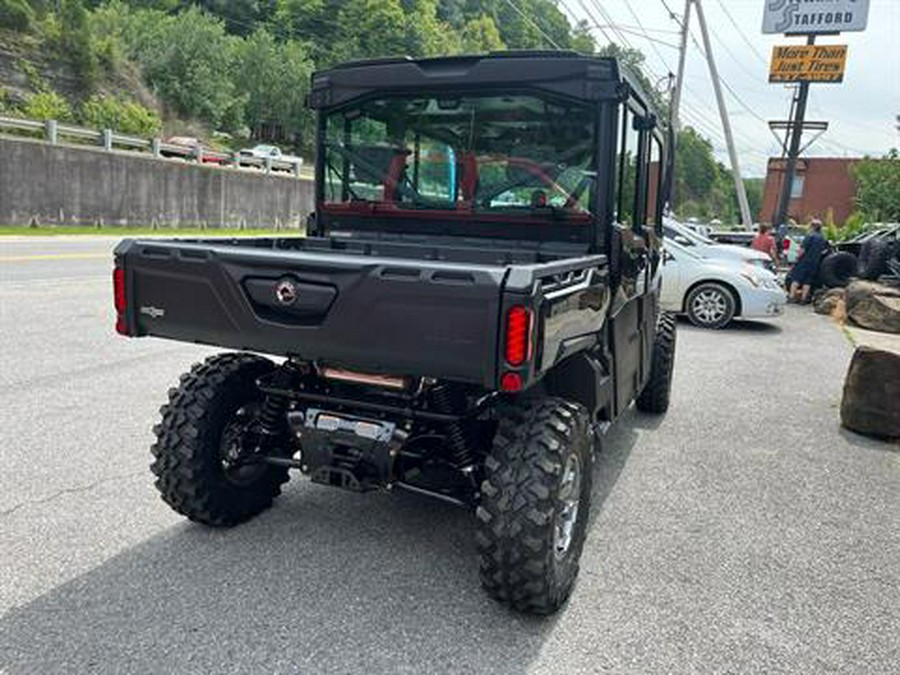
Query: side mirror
(666, 256)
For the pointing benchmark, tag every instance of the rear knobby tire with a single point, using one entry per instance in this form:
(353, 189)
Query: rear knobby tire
(189, 469)
(529, 558)
(656, 393)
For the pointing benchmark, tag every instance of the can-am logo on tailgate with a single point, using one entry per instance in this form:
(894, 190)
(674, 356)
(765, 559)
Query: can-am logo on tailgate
(153, 312)
(286, 292)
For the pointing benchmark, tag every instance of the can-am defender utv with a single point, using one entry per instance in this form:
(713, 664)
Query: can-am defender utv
(478, 294)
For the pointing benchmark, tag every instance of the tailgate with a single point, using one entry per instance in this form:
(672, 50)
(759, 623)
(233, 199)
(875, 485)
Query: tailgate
(405, 317)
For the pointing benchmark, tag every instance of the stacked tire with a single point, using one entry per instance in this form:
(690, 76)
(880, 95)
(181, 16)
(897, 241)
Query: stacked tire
(874, 257)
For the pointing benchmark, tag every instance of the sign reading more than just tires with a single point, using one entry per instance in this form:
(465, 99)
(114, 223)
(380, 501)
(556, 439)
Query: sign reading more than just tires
(811, 17)
(808, 63)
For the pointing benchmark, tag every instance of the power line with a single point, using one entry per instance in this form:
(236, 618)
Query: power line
(743, 35)
(672, 15)
(591, 21)
(652, 40)
(612, 24)
(724, 46)
(667, 31)
(531, 21)
(727, 86)
(647, 36)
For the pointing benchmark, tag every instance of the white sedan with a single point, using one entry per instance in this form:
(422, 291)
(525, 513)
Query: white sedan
(707, 248)
(713, 292)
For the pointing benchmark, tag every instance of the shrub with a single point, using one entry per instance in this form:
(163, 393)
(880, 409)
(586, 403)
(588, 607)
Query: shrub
(127, 117)
(46, 105)
(15, 14)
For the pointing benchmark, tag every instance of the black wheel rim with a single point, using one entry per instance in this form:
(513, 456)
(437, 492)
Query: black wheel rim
(240, 438)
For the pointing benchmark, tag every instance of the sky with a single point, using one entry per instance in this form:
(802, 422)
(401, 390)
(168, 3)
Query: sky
(861, 111)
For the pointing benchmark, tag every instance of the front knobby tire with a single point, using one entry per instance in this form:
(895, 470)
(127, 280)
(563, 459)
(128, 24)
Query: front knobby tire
(656, 393)
(208, 415)
(536, 495)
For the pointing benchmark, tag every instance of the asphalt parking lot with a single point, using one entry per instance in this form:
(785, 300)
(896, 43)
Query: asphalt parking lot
(742, 533)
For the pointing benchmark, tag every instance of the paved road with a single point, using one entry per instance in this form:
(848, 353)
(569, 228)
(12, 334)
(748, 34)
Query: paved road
(742, 533)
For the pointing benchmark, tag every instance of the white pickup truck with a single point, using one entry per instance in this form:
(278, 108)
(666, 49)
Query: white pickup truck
(265, 151)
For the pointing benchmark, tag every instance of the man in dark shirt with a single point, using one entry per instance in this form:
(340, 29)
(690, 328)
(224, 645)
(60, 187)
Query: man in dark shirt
(804, 272)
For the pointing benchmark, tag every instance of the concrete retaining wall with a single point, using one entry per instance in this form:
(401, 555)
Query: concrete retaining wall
(70, 185)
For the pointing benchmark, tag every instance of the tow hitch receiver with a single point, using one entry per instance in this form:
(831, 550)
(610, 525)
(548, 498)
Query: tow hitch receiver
(348, 452)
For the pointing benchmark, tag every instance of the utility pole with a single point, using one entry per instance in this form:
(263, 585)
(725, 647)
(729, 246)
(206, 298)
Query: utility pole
(726, 123)
(682, 58)
(796, 131)
(741, 191)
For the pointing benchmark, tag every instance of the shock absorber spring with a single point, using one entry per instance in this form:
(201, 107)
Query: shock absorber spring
(272, 420)
(448, 399)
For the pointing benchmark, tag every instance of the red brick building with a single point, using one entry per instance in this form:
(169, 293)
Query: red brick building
(821, 183)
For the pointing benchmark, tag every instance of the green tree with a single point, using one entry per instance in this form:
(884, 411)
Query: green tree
(633, 60)
(426, 34)
(878, 187)
(15, 14)
(75, 42)
(189, 60)
(582, 40)
(755, 188)
(696, 172)
(275, 78)
(480, 35)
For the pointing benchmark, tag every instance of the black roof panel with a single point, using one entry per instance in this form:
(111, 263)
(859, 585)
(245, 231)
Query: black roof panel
(564, 73)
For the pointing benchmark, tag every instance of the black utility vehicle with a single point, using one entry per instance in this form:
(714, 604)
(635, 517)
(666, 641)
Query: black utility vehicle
(478, 294)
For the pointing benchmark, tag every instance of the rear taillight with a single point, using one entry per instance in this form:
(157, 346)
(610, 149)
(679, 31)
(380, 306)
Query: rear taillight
(120, 300)
(518, 335)
(511, 382)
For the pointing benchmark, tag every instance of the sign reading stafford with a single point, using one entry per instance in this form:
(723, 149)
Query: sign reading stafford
(808, 63)
(811, 17)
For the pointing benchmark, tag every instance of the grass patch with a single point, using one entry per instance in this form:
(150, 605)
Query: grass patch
(9, 230)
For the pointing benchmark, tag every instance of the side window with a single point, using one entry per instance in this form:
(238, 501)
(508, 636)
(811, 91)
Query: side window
(628, 175)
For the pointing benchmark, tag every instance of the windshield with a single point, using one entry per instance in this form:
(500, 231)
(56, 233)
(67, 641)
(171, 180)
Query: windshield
(689, 237)
(497, 154)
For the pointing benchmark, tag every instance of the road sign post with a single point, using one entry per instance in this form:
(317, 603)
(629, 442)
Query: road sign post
(793, 17)
(807, 63)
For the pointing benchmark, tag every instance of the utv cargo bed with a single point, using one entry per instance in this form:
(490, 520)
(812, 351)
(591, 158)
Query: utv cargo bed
(370, 304)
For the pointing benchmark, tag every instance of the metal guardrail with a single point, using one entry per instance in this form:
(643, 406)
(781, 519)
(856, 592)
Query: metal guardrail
(53, 131)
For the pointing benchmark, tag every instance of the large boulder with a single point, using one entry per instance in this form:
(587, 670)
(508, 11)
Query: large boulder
(871, 403)
(830, 301)
(874, 306)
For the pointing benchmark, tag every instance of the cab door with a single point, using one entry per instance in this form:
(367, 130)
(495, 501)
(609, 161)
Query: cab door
(635, 248)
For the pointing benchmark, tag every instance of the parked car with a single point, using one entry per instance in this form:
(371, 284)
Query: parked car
(264, 151)
(740, 238)
(712, 292)
(707, 248)
(696, 226)
(191, 145)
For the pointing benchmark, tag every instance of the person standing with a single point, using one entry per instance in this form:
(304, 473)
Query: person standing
(765, 243)
(804, 272)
